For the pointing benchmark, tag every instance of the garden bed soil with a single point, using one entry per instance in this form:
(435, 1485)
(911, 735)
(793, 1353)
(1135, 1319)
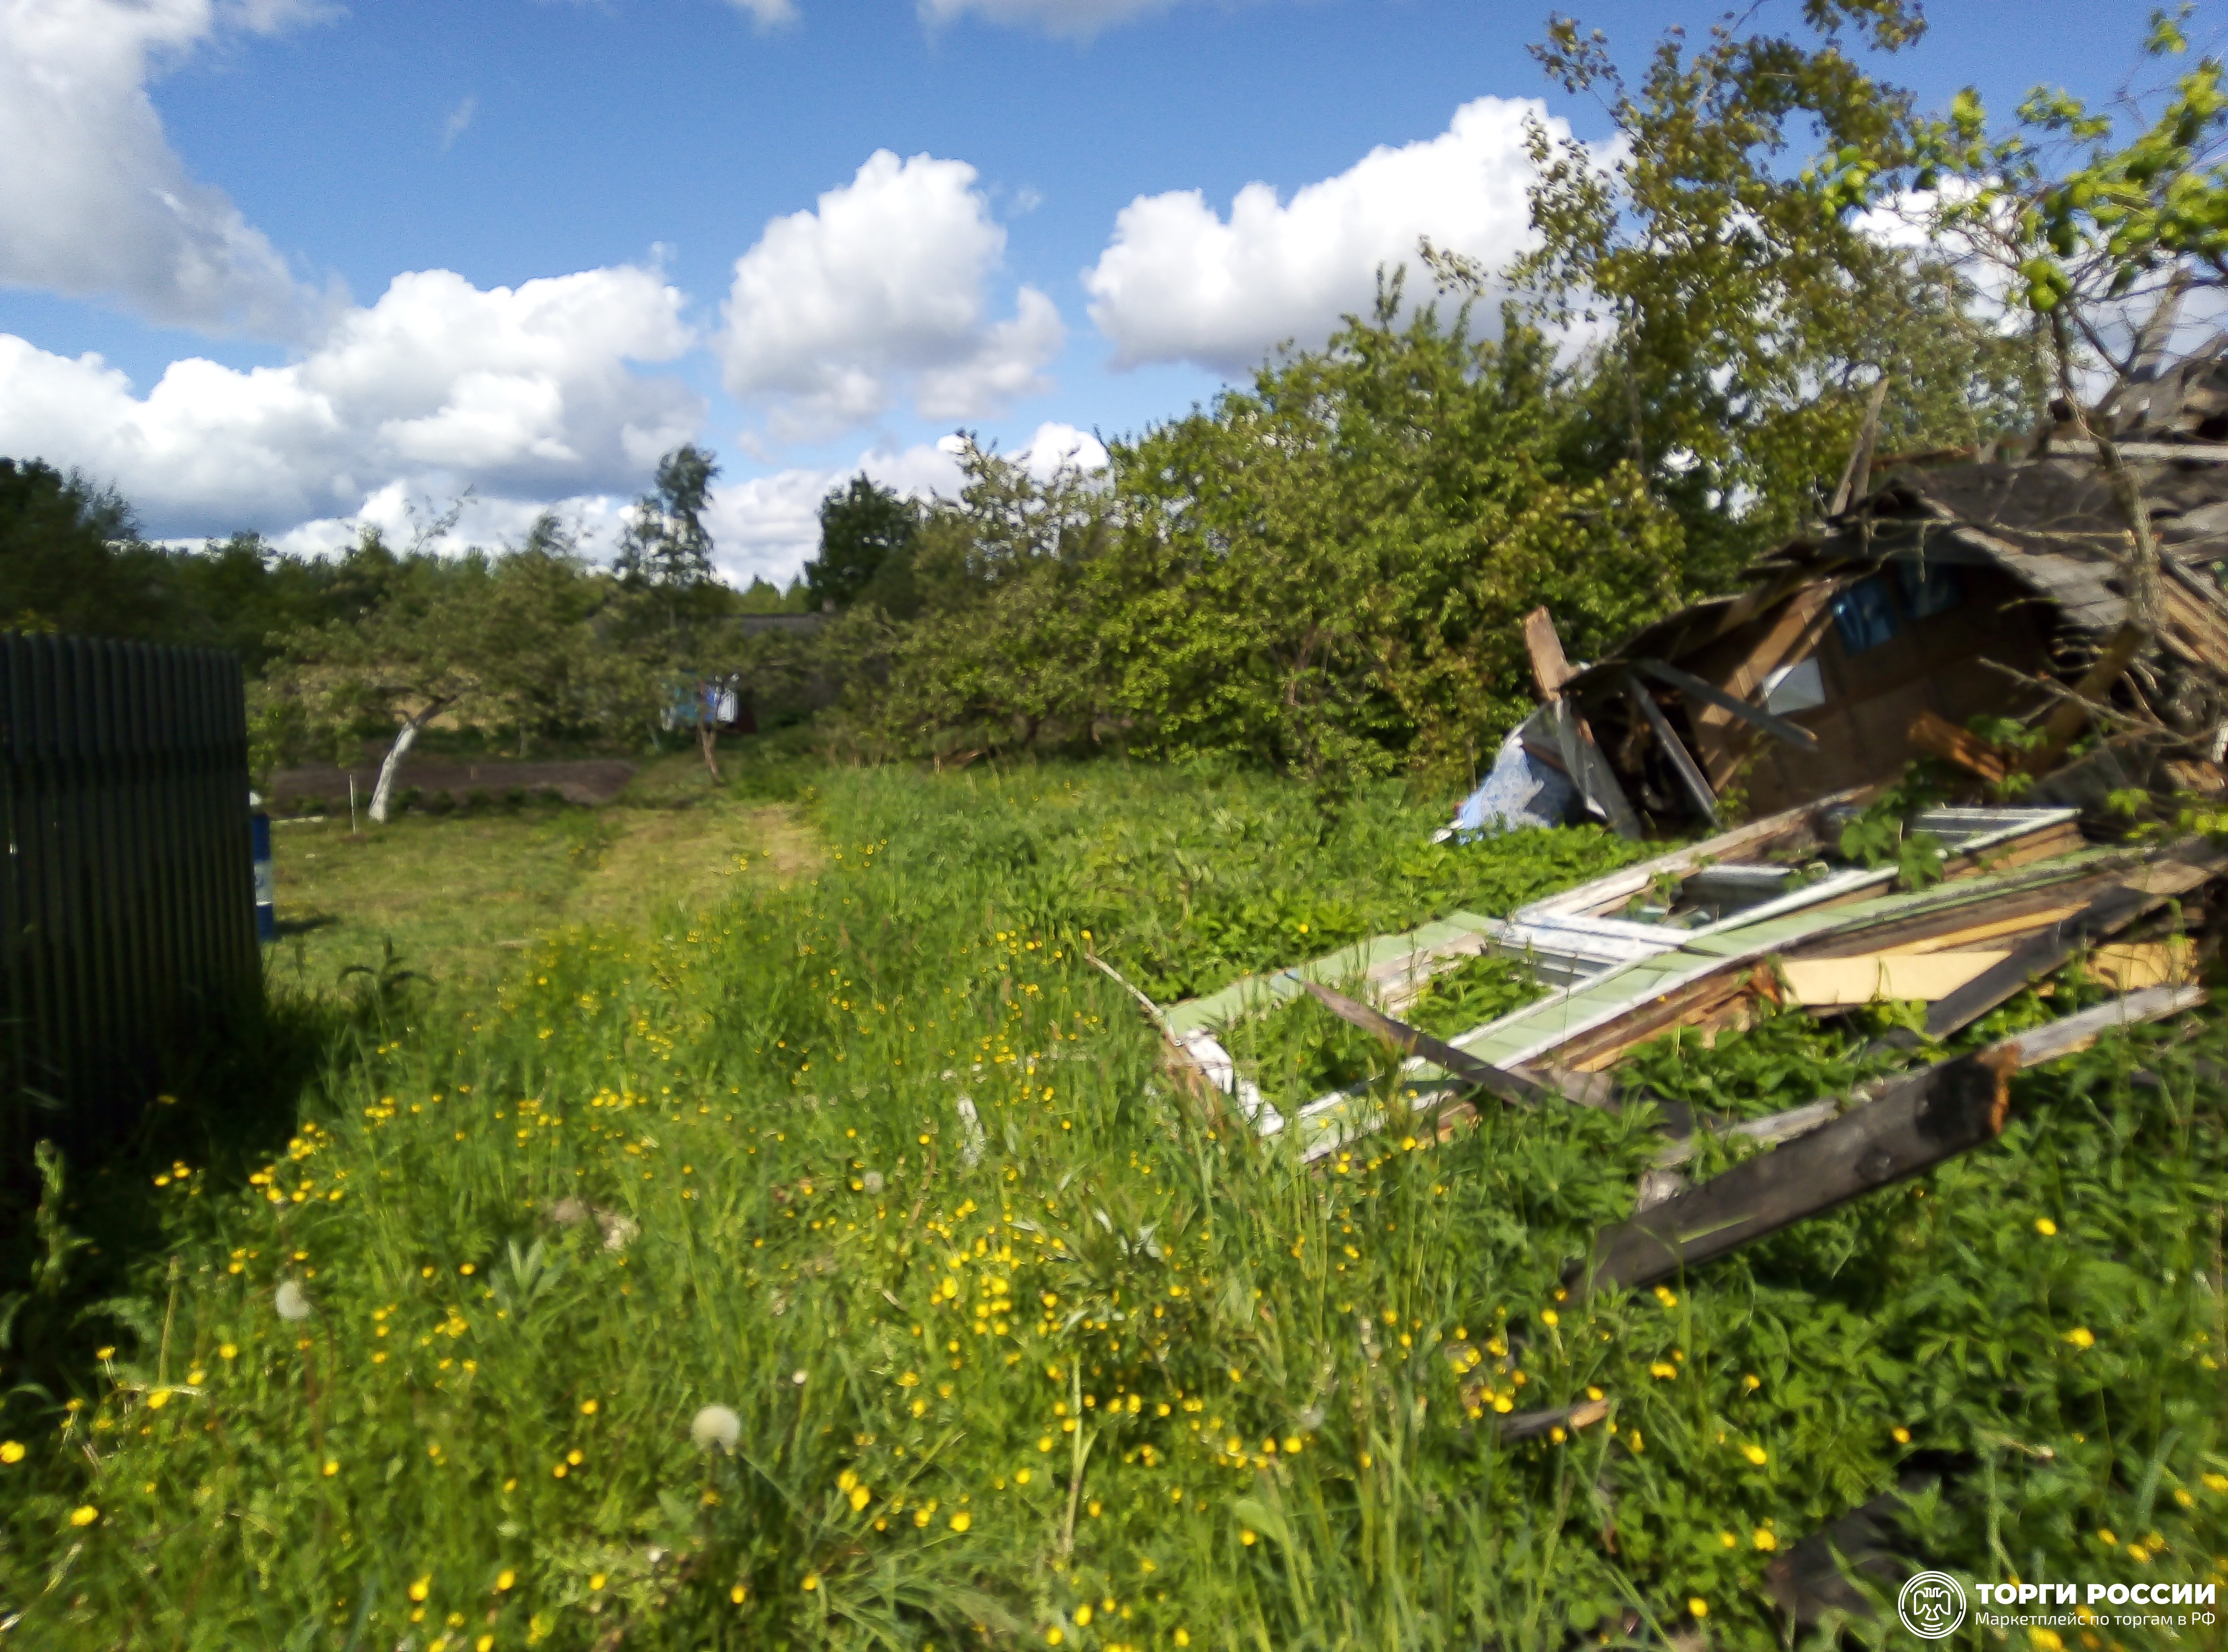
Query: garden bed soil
(581, 780)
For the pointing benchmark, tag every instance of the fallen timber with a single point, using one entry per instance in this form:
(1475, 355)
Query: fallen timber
(2042, 912)
(1902, 1127)
(1893, 1130)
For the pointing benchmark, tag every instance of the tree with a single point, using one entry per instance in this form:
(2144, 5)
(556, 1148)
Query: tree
(867, 534)
(2095, 222)
(1748, 313)
(546, 668)
(666, 546)
(71, 558)
(665, 561)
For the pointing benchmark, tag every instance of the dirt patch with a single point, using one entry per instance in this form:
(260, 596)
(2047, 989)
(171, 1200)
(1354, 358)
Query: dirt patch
(581, 780)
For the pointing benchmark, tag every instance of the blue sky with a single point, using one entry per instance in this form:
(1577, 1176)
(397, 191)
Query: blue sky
(287, 266)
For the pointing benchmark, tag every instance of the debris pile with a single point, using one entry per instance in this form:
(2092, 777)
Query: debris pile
(2048, 626)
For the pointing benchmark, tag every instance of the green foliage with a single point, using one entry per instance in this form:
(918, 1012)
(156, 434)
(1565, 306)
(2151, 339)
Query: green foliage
(1321, 574)
(1748, 314)
(866, 534)
(71, 559)
(1881, 834)
(666, 546)
(986, 1385)
(2084, 207)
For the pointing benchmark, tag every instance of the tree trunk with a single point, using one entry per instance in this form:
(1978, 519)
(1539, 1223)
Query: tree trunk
(382, 794)
(707, 739)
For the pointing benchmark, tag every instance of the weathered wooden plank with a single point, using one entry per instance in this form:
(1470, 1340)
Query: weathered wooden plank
(1674, 749)
(1471, 1072)
(1905, 1125)
(1932, 732)
(1688, 683)
(2070, 716)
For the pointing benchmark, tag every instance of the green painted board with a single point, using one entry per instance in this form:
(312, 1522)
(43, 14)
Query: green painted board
(1256, 993)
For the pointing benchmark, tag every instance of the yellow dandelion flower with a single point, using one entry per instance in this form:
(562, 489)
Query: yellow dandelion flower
(1054, 1635)
(2046, 1640)
(1902, 1436)
(1729, 1540)
(596, 1581)
(1756, 1455)
(1247, 1538)
(961, 1521)
(1549, 1317)
(2081, 1337)
(739, 1594)
(1697, 1606)
(588, 1407)
(1181, 1638)
(1764, 1540)
(11, 1452)
(811, 1581)
(2046, 1227)
(84, 1515)
(504, 1579)
(421, 1587)
(1083, 1616)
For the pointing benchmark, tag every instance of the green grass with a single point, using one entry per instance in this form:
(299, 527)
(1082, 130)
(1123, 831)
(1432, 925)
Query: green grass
(1093, 1377)
(459, 895)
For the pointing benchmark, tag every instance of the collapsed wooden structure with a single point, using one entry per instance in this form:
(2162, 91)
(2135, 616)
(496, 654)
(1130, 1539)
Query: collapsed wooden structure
(1964, 586)
(1985, 586)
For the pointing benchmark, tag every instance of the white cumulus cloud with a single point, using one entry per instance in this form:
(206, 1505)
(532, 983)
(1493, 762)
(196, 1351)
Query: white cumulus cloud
(880, 292)
(93, 201)
(521, 392)
(1181, 282)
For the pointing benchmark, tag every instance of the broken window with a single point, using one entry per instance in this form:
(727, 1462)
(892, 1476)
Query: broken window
(1865, 616)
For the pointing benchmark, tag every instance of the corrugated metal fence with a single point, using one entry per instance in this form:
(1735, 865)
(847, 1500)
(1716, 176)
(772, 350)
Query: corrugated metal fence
(127, 918)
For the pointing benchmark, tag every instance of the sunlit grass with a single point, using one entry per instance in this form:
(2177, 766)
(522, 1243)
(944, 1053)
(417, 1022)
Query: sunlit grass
(1017, 1351)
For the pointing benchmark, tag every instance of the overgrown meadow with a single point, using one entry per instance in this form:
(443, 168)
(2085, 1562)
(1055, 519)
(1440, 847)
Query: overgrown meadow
(838, 1266)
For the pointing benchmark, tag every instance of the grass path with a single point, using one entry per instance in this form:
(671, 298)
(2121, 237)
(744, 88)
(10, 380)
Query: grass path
(460, 895)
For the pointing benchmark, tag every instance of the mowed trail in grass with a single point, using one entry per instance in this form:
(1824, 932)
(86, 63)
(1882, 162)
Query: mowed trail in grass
(460, 894)
(835, 1266)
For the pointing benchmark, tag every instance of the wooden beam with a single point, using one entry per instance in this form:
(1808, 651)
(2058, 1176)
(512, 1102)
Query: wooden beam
(1910, 1125)
(2111, 910)
(1936, 735)
(1682, 761)
(1550, 670)
(1530, 1425)
(2071, 715)
(1688, 683)
(1466, 1069)
(1915, 1123)
(1582, 759)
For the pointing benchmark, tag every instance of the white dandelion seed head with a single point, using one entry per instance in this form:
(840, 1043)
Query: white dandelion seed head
(716, 1426)
(874, 1180)
(292, 1301)
(798, 1378)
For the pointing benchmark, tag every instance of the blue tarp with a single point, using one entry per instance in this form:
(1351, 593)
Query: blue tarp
(1521, 791)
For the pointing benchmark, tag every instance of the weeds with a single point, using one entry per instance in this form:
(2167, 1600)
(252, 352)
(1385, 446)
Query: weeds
(1061, 1366)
